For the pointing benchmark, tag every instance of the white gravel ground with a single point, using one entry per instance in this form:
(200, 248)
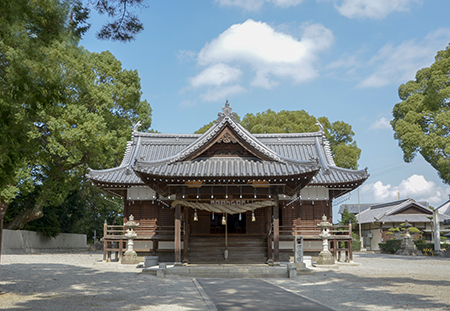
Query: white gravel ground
(84, 282)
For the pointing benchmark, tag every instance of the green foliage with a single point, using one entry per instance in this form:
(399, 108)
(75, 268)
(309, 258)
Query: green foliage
(125, 25)
(444, 246)
(62, 110)
(356, 243)
(347, 217)
(390, 246)
(422, 118)
(423, 245)
(340, 135)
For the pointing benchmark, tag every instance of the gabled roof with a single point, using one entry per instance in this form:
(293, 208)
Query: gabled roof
(444, 208)
(397, 211)
(258, 162)
(235, 132)
(182, 155)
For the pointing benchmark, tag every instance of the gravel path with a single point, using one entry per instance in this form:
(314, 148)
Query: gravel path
(84, 282)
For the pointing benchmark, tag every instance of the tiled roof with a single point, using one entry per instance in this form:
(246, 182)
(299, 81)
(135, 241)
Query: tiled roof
(353, 208)
(285, 154)
(389, 212)
(444, 208)
(225, 167)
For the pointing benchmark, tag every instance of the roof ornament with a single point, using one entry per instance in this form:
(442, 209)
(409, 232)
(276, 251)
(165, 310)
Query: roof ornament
(320, 126)
(136, 125)
(227, 113)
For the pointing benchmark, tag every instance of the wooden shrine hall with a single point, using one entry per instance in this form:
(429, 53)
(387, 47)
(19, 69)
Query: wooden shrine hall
(226, 195)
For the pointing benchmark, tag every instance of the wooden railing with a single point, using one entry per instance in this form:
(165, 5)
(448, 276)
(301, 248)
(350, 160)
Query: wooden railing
(114, 239)
(340, 239)
(313, 231)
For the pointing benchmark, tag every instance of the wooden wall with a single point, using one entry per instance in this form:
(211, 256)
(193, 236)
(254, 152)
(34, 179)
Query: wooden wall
(147, 213)
(306, 213)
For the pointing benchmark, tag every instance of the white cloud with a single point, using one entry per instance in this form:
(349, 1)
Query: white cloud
(186, 56)
(415, 187)
(381, 124)
(256, 5)
(219, 93)
(216, 74)
(286, 3)
(393, 64)
(270, 54)
(374, 9)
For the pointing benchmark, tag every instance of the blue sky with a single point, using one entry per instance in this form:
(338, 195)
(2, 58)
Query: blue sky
(343, 59)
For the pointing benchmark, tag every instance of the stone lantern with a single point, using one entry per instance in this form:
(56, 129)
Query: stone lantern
(408, 247)
(130, 256)
(325, 256)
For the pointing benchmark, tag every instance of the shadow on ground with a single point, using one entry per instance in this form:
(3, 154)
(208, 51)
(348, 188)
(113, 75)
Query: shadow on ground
(66, 287)
(390, 288)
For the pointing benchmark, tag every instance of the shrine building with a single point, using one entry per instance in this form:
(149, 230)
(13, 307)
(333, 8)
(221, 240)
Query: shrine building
(227, 195)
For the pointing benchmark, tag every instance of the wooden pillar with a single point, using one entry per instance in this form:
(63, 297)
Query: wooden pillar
(177, 235)
(269, 234)
(186, 218)
(105, 242)
(276, 232)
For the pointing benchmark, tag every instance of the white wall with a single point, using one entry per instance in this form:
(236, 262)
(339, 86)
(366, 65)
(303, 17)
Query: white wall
(22, 241)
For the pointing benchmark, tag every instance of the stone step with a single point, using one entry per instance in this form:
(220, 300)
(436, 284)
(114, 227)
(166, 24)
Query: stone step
(228, 271)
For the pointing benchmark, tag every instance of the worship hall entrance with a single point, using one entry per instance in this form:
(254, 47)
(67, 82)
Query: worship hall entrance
(230, 238)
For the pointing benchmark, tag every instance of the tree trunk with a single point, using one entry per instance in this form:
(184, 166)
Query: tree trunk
(3, 208)
(26, 216)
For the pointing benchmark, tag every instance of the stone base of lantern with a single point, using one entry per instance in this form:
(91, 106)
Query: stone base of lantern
(408, 248)
(325, 258)
(130, 258)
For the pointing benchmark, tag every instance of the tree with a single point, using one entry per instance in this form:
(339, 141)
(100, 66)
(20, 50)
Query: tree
(62, 110)
(348, 217)
(123, 26)
(422, 119)
(340, 135)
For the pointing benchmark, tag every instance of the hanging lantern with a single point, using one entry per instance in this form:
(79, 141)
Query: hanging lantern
(195, 215)
(253, 216)
(224, 221)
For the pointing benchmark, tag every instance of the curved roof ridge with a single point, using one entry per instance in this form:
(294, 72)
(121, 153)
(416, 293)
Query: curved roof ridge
(227, 118)
(293, 135)
(131, 154)
(164, 135)
(399, 206)
(127, 153)
(324, 158)
(328, 153)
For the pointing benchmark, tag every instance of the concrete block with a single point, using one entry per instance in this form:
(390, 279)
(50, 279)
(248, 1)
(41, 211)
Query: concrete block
(150, 261)
(291, 270)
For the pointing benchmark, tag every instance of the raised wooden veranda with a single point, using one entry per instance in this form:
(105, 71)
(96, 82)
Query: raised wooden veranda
(114, 241)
